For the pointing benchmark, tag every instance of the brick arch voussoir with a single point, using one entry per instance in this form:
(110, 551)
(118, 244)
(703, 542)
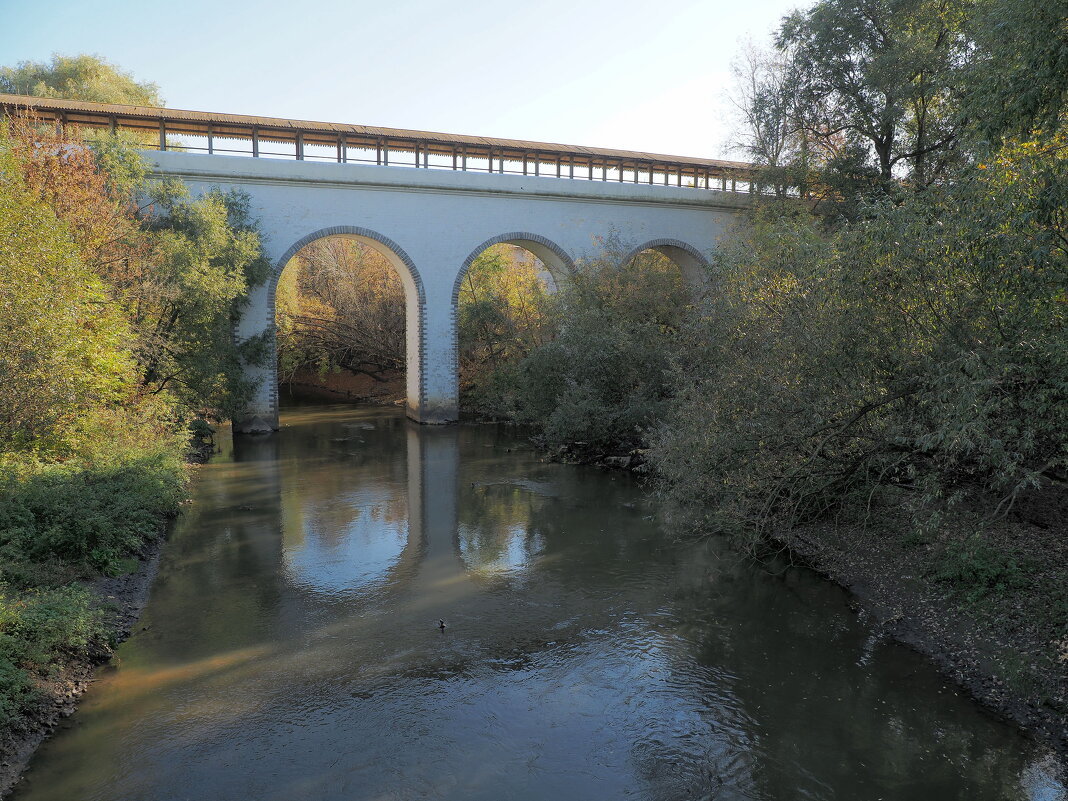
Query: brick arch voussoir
(656, 244)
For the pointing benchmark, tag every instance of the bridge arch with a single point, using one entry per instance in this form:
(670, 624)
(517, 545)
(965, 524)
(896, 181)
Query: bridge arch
(558, 263)
(414, 307)
(554, 257)
(691, 262)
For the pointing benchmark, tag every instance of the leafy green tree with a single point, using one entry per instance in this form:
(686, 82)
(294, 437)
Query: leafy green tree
(917, 357)
(81, 77)
(188, 298)
(867, 88)
(180, 268)
(1018, 77)
(63, 341)
(605, 377)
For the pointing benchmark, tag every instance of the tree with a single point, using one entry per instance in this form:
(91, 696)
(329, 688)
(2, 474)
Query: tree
(876, 82)
(179, 268)
(186, 297)
(64, 343)
(504, 311)
(1018, 81)
(916, 357)
(81, 77)
(775, 126)
(600, 372)
(340, 307)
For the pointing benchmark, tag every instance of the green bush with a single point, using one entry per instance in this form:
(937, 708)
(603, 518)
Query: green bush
(918, 356)
(977, 568)
(606, 375)
(17, 691)
(39, 631)
(89, 515)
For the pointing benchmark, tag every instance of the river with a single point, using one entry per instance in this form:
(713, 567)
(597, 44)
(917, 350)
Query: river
(291, 648)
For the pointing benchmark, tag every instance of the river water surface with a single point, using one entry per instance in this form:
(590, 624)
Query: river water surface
(291, 647)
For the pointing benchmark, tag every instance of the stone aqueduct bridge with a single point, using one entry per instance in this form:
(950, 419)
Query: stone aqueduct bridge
(430, 203)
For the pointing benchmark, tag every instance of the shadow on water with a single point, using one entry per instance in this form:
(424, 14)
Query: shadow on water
(291, 647)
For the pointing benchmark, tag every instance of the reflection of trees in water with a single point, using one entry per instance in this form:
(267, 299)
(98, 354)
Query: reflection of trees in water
(822, 703)
(218, 580)
(495, 525)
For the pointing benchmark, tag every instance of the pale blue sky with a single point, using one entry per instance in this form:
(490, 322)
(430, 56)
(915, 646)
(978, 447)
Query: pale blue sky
(633, 74)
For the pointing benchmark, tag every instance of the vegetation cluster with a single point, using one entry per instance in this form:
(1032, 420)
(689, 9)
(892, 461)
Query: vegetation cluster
(884, 345)
(117, 301)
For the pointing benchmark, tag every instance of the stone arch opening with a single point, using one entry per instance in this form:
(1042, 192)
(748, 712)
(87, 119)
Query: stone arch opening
(557, 263)
(691, 263)
(414, 306)
(536, 269)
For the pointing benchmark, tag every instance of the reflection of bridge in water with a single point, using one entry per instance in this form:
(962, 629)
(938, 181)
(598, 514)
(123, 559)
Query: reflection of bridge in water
(424, 562)
(430, 203)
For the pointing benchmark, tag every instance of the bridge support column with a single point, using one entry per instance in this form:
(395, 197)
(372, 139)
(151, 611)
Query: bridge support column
(439, 396)
(261, 413)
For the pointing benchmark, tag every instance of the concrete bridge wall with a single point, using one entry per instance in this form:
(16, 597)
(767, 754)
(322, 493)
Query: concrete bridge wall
(431, 224)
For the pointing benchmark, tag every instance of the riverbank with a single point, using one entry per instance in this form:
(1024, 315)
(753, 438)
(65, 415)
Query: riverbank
(63, 616)
(124, 597)
(991, 619)
(1005, 647)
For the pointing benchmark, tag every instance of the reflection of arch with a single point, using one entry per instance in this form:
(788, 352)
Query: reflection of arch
(414, 305)
(693, 265)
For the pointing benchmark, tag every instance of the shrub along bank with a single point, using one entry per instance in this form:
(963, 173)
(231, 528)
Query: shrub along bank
(887, 394)
(115, 325)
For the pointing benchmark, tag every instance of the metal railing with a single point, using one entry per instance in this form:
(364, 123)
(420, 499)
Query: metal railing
(264, 137)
